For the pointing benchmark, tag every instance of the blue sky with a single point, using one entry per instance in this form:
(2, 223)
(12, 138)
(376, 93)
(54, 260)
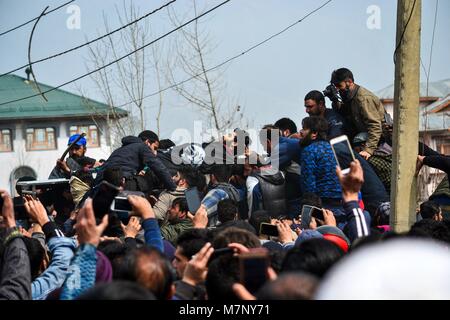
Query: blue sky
(271, 81)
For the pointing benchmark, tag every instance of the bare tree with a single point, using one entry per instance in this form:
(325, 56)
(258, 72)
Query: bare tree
(207, 89)
(125, 82)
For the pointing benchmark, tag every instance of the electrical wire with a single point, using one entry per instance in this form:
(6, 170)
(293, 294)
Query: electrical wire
(29, 21)
(403, 33)
(232, 58)
(91, 41)
(121, 58)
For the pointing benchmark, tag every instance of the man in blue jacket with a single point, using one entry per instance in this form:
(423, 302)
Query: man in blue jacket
(315, 106)
(318, 163)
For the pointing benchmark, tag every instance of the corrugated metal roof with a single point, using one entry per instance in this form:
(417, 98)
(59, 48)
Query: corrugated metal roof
(435, 89)
(438, 120)
(60, 103)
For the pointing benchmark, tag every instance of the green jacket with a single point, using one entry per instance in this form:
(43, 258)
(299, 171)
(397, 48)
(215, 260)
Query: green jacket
(171, 231)
(367, 115)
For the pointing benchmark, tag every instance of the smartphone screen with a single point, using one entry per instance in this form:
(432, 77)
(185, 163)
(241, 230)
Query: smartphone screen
(253, 269)
(317, 213)
(121, 204)
(306, 215)
(103, 198)
(219, 252)
(19, 209)
(268, 229)
(342, 152)
(193, 199)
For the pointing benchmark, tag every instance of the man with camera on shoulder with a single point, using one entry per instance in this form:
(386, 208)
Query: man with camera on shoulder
(363, 110)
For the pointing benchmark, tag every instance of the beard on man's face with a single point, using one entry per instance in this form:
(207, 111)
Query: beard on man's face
(306, 140)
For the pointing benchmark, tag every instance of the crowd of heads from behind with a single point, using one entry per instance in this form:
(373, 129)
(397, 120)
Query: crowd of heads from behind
(223, 220)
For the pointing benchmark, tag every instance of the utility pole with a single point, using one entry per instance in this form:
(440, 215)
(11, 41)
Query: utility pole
(406, 115)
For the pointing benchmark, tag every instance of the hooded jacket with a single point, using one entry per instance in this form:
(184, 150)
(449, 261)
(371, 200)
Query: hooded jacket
(132, 157)
(15, 275)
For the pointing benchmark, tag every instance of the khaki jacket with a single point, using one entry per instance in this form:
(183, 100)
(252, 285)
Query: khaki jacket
(367, 115)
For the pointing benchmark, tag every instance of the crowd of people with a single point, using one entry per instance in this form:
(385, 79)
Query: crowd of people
(69, 241)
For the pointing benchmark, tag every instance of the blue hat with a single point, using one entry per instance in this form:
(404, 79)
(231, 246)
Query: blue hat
(307, 234)
(81, 142)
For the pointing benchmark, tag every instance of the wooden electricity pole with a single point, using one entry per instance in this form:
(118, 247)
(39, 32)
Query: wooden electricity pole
(406, 115)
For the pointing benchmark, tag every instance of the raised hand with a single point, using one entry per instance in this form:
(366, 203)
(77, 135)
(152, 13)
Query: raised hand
(87, 229)
(132, 228)
(351, 183)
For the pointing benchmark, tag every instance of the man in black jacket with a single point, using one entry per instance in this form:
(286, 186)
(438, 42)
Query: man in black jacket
(15, 274)
(136, 154)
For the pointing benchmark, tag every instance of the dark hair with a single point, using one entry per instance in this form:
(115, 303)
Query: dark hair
(340, 75)
(115, 251)
(36, 254)
(259, 217)
(432, 229)
(148, 135)
(223, 272)
(150, 268)
(226, 210)
(233, 234)
(315, 95)
(317, 125)
(266, 133)
(117, 290)
(222, 172)
(286, 124)
(310, 199)
(289, 286)
(192, 176)
(165, 144)
(237, 224)
(428, 209)
(192, 240)
(313, 256)
(182, 204)
(113, 175)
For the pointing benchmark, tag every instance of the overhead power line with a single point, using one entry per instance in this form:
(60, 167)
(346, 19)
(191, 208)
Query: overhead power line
(123, 57)
(403, 33)
(91, 41)
(232, 58)
(29, 21)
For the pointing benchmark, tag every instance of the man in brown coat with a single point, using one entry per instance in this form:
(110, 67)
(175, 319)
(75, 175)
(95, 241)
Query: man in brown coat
(361, 108)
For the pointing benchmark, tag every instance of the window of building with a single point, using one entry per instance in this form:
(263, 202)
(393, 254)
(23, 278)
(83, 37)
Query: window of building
(91, 133)
(443, 145)
(41, 139)
(5, 140)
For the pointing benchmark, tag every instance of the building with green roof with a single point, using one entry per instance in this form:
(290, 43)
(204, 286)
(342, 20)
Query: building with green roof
(34, 132)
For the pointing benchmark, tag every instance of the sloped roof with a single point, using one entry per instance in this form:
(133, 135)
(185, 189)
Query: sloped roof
(436, 115)
(61, 103)
(435, 89)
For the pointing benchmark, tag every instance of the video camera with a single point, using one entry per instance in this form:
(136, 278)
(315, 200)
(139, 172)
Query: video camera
(48, 192)
(332, 93)
(36, 188)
